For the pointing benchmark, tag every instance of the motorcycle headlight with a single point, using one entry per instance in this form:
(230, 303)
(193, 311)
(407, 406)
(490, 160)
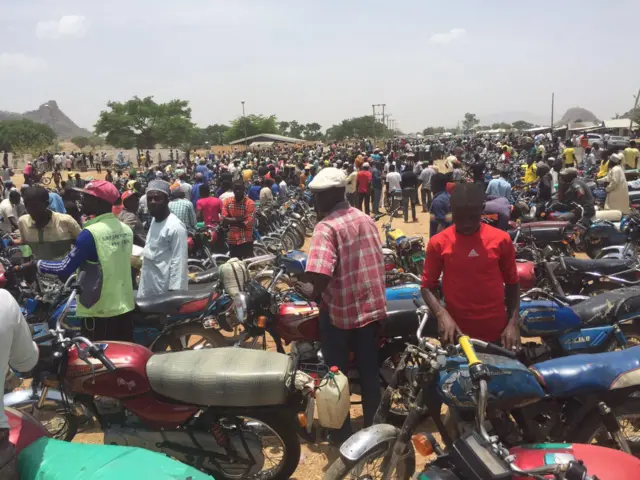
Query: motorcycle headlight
(240, 306)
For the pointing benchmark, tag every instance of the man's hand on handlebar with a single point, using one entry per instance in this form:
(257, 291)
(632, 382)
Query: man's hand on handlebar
(448, 328)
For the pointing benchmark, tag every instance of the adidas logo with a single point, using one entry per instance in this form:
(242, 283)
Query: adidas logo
(473, 253)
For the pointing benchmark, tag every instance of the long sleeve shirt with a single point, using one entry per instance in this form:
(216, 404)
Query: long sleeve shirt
(164, 259)
(83, 251)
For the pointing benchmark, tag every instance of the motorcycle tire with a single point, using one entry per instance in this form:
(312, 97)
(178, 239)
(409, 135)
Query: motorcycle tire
(298, 237)
(594, 428)
(175, 338)
(288, 242)
(341, 468)
(396, 416)
(285, 427)
(66, 433)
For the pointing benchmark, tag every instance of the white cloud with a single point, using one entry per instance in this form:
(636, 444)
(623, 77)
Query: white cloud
(447, 38)
(67, 26)
(18, 62)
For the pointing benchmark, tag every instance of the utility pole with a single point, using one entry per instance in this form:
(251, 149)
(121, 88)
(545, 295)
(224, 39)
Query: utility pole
(374, 106)
(553, 95)
(633, 112)
(244, 123)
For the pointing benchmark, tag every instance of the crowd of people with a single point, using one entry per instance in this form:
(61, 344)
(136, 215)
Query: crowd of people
(91, 225)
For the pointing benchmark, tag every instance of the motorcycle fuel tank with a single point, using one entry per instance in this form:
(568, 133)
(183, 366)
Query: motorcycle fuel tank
(295, 262)
(128, 380)
(545, 317)
(403, 292)
(511, 382)
(603, 463)
(526, 274)
(298, 320)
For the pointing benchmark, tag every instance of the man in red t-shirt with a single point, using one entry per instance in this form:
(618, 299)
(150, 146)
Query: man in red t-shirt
(208, 208)
(363, 187)
(479, 275)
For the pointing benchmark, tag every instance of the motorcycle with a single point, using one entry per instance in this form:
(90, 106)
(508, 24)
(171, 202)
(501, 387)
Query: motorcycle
(401, 252)
(572, 325)
(44, 458)
(576, 399)
(227, 412)
(291, 319)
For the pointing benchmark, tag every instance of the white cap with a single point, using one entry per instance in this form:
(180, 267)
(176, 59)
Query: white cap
(327, 178)
(365, 165)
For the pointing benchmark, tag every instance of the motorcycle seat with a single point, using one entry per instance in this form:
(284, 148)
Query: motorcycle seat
(589, 373)
(225, 377)
(541, 234)
(172, 301)
(602, 265)
(402, 321)
(609, 307)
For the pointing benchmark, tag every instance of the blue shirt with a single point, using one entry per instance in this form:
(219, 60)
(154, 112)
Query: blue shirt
(206, 173)
(499, 187)
(275, 189)
(56, 203)
(254, 193)
(440, 208)
(195, 193)
(377, 179)
(83, 251)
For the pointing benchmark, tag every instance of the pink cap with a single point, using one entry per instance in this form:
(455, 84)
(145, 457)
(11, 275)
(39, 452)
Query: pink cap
(101, 189)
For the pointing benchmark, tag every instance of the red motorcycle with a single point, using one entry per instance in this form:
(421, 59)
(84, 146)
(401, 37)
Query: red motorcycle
(228, 412)
(291, 319)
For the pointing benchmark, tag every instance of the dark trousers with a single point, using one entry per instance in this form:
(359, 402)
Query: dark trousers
(118, 328)
(377, 194)
(409, 195)
(352, 199)
(336, 345)
(427, 198)
(366, 198)
(242, 251)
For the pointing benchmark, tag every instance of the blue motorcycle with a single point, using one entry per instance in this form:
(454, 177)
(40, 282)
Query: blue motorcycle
(582, 398)
(595, 324)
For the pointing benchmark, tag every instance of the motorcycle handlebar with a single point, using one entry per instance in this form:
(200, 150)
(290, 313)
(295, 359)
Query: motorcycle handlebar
(98, 354)
(497, 349)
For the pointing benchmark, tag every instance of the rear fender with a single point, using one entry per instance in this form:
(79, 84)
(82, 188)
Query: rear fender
(366, 440)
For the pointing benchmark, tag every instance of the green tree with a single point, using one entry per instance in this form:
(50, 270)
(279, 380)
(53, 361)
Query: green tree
(358, 127)
(469, 122)
(313, 131)
(296, 130)
(433, 130)
(502, 125)
(252, 125)
(521, 125)
(143, 123)
(96, 141)
(284, 128)
(22, 136)
(211, 135)
(80, 142)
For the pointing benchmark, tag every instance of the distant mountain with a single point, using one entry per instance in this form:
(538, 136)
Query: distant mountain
(577, 115)
(50, 114)
(510, 117)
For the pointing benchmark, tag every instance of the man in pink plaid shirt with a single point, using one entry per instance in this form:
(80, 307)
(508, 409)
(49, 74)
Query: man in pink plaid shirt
(345, 266)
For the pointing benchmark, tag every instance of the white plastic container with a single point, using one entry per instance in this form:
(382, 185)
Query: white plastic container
(333, 399)
(611, 215)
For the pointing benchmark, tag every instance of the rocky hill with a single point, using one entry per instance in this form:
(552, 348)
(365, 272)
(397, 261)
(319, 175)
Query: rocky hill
(577, 115)
(50, 114)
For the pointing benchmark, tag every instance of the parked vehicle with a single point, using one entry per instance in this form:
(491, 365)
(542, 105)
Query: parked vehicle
(616, 141)
(582, 398)
(401, 252)
(228, 412)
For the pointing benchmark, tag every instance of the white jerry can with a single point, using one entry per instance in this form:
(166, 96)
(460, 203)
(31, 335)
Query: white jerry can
(333, 399)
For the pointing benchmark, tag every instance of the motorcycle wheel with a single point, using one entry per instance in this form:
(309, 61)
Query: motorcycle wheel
(399, 408)
(628, 416)
(188, 337)
(282, 429)
(370, 464)
(298, 237)
(288, 242)
(60, 423)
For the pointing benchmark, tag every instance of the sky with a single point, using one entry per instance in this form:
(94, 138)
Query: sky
(430, 62)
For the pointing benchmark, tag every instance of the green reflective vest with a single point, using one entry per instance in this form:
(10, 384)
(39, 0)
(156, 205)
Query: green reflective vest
(107, 288)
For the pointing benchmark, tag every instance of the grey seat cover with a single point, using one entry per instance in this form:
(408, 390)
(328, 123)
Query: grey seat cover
(229, 377)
